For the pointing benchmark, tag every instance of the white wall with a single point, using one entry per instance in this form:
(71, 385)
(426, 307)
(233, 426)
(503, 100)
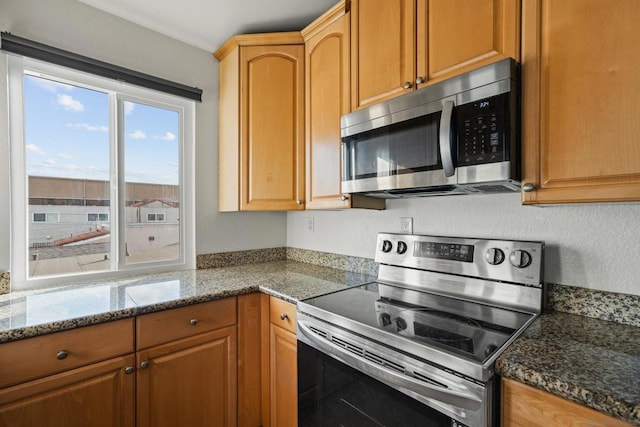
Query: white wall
(591, 246)
(73, 26)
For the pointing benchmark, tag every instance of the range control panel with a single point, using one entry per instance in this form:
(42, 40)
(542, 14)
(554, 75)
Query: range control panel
(512, 261)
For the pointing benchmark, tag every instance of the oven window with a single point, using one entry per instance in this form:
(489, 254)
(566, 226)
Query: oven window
(405, 147)
(331, 393)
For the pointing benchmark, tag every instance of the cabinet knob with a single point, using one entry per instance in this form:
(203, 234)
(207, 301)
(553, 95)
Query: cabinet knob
(528, 187)
(420, 80)
(144, 364)
(299, 201)
(344, 197)
(129, 370)
(62, 354)
(283, 316)
(193, 322)
(407, 85)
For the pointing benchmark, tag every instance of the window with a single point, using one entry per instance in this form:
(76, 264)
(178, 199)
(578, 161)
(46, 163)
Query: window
(46, 217)
(98, 217)
(155, 217)
(103, 153)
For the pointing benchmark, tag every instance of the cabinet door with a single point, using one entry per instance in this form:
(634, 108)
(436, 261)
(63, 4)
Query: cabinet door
(525, 406)
(283, 373)
(327, 98)
(272, 127)
(382, 50)
(189, 382)
(459, 35)
(580, 100)
(100, 395)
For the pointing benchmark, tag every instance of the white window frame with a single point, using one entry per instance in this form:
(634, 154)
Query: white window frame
(155, 216)
(119, 92)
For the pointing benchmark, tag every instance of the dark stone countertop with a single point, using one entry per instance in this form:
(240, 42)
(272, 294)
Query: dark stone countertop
(37, 312)
(589, 361)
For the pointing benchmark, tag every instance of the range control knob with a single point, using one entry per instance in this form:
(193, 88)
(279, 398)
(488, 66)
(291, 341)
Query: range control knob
(385, 319)
(520, 258)
(386, 246)
(494, 256)
(401, 324)
(402, 247)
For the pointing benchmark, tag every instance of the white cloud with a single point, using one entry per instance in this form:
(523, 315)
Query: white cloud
(138, 135)
(50, 85)
(49, 163)
(32, 148)
(65, 156)
(87, 127)
(129, 107)
(167, 137)
(68, 103)
(71, 166)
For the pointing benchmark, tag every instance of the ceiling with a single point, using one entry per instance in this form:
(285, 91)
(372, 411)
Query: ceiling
(207, 24)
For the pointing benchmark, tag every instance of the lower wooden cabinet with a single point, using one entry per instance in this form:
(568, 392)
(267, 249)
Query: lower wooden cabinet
(525, 406)
(97, 395)
(189, 382)
(283, 377)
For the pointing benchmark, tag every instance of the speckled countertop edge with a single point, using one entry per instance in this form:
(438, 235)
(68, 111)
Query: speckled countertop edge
(592, 362)
(288, 280)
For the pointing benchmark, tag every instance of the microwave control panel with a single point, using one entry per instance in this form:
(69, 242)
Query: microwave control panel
(483, 131)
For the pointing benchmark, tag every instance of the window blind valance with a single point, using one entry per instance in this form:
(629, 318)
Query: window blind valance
(32, 49)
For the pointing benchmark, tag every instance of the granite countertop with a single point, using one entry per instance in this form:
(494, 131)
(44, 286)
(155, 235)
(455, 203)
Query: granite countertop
(37, 312)
(592, 362)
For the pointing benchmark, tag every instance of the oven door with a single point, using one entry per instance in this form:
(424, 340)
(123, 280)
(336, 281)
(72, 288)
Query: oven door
(346, 380)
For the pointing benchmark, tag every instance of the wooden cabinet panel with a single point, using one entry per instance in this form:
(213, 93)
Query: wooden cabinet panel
(283, 314)
(164, 326)
(284, 377)
(525, 406)
(465, 34)
(37, 357)
(326, 100)
(189, 382)
(581, 80)
(382, 49)
(400, 45)
(100, 395)
(272, 148)
(261, 126)
(249, 360)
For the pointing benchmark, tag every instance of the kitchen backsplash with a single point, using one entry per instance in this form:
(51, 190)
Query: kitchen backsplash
(5, 280)
(227, 259)
(340, 262)
(610, 306)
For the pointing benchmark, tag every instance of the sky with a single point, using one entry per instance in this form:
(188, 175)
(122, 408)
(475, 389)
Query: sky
(67, 135)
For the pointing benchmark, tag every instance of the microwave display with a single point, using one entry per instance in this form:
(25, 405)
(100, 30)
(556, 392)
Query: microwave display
(483, 131)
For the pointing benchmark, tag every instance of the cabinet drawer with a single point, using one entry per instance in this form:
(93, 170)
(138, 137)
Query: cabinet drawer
(282, 313)
(164, 326)
(32, 358)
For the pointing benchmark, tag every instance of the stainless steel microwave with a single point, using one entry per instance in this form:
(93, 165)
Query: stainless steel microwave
(458, 136)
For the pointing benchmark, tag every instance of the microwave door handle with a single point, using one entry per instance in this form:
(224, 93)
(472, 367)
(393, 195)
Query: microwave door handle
(445, 139)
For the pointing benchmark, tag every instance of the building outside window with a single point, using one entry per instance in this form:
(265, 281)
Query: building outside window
(102, 153)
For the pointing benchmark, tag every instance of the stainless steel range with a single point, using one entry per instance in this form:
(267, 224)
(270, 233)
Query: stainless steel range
(417, 346)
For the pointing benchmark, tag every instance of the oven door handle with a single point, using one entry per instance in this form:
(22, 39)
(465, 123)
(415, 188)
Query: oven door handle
(445, 138)
(439, 395)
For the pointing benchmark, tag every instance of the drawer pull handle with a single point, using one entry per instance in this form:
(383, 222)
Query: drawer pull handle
(62, 354)
(144, 365)
(129, 370)
(283, 316)
(194, 322)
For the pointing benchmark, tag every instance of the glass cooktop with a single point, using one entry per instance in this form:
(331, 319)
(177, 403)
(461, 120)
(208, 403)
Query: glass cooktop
(469, 330)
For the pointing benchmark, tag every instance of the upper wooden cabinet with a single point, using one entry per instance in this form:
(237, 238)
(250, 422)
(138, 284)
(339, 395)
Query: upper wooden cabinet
(261, 123)
(326, 100)
(581, 133)
(400, 45)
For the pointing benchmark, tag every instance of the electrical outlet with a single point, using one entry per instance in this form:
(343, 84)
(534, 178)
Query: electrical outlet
(310, 224)
(406, 225)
